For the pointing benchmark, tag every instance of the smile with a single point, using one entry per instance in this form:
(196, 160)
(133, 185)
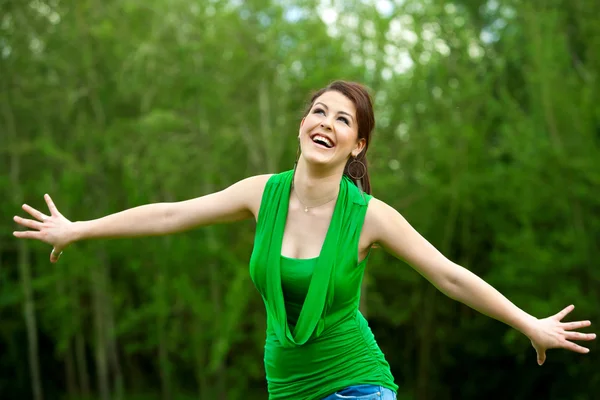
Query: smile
(322, 141)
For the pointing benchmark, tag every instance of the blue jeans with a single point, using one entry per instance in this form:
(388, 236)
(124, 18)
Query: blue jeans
(363, 392)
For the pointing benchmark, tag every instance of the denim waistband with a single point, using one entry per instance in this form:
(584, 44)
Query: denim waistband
(363, 392)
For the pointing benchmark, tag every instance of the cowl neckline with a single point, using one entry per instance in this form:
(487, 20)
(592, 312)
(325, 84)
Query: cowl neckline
(320, 293)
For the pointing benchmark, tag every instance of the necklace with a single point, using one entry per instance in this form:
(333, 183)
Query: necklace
(306, 208)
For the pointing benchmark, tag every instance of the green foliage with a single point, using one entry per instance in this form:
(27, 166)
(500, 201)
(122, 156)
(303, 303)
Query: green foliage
(487, 140)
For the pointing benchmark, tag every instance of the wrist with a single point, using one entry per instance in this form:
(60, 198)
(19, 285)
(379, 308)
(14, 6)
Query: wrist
(528, 325)
(76, 232)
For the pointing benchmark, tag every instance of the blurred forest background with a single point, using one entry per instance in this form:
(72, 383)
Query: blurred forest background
(487, 140)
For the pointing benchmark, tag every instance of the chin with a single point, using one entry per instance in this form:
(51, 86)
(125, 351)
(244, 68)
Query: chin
(314, 158)
(314, 155)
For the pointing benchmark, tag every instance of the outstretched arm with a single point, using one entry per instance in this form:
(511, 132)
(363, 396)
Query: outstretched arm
(237, 202)
(387, 227)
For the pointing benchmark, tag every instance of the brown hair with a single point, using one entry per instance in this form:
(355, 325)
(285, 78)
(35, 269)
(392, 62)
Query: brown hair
(365, 117)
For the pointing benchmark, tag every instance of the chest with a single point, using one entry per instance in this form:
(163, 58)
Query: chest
(305, 232)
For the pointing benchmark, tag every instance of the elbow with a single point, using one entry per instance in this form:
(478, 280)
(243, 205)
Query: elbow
(167, 219)
(451, 283)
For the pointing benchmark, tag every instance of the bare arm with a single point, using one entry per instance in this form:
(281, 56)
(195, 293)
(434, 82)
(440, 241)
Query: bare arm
(387, 227)
(237, 202)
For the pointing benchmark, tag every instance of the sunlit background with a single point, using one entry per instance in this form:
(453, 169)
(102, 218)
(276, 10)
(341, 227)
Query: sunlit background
(487, 141)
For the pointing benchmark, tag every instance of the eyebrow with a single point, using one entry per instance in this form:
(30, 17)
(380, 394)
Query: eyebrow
(340, 112)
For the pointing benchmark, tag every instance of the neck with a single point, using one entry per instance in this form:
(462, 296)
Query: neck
(316, 185)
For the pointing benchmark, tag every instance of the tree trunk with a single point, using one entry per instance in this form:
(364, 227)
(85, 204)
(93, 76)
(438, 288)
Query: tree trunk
(163, 356)
(72, 389)
(24, 262)
(163, 350)
(273, 144)
(200, 358)
(219, 388)
(68, 355)
(98, 294)
(30, 320)
(426, 342)
(112, 345)
(217, 302)
(98, 273)
(427, 333)
(82, 371)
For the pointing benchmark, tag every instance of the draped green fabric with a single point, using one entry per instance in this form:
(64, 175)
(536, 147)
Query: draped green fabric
(268, 253)
(317, 340)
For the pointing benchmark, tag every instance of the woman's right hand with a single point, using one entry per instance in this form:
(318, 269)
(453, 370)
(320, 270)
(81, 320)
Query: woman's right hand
(55, 229)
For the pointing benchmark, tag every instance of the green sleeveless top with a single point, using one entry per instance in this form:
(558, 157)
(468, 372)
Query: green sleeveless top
(317, 340)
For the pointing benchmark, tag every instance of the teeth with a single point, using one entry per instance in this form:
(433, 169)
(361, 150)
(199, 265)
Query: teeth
(324, 139)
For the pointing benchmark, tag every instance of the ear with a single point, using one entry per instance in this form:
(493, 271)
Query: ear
(360, 146)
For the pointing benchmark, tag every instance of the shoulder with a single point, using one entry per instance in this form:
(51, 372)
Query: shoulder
(377, 211)
(253, 187)
(255, 182)
(379, 215)
(379, 206)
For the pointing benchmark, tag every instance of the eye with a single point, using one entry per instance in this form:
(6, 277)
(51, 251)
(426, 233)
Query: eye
(345, 120)
(319, 111)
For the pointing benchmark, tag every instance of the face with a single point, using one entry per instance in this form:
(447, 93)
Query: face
(329, 132)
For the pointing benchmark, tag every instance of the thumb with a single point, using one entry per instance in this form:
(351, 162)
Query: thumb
(541, 357)
(55, 255)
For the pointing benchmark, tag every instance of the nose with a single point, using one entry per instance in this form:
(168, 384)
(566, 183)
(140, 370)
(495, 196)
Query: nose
(326, 125)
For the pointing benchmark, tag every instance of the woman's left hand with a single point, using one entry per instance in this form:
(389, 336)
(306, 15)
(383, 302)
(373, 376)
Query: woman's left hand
(551, 333)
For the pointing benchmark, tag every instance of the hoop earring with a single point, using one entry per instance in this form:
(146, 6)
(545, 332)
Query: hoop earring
(358, 178)
(357, 164)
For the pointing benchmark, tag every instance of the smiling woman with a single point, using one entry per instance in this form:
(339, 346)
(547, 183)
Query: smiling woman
(348, 107)
(315, 227)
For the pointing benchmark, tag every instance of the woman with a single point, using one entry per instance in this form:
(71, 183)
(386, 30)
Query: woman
(316, 225)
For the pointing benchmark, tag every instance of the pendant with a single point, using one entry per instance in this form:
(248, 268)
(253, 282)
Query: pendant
(305, 209)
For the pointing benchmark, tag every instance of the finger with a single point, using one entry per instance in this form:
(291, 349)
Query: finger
(541, 358)
(576, 348)
(27, 235)
(575, 325)
(34, 213)
(28, 223)
(51, 206)
(580, 336)
(55, 255)
(564, 312)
